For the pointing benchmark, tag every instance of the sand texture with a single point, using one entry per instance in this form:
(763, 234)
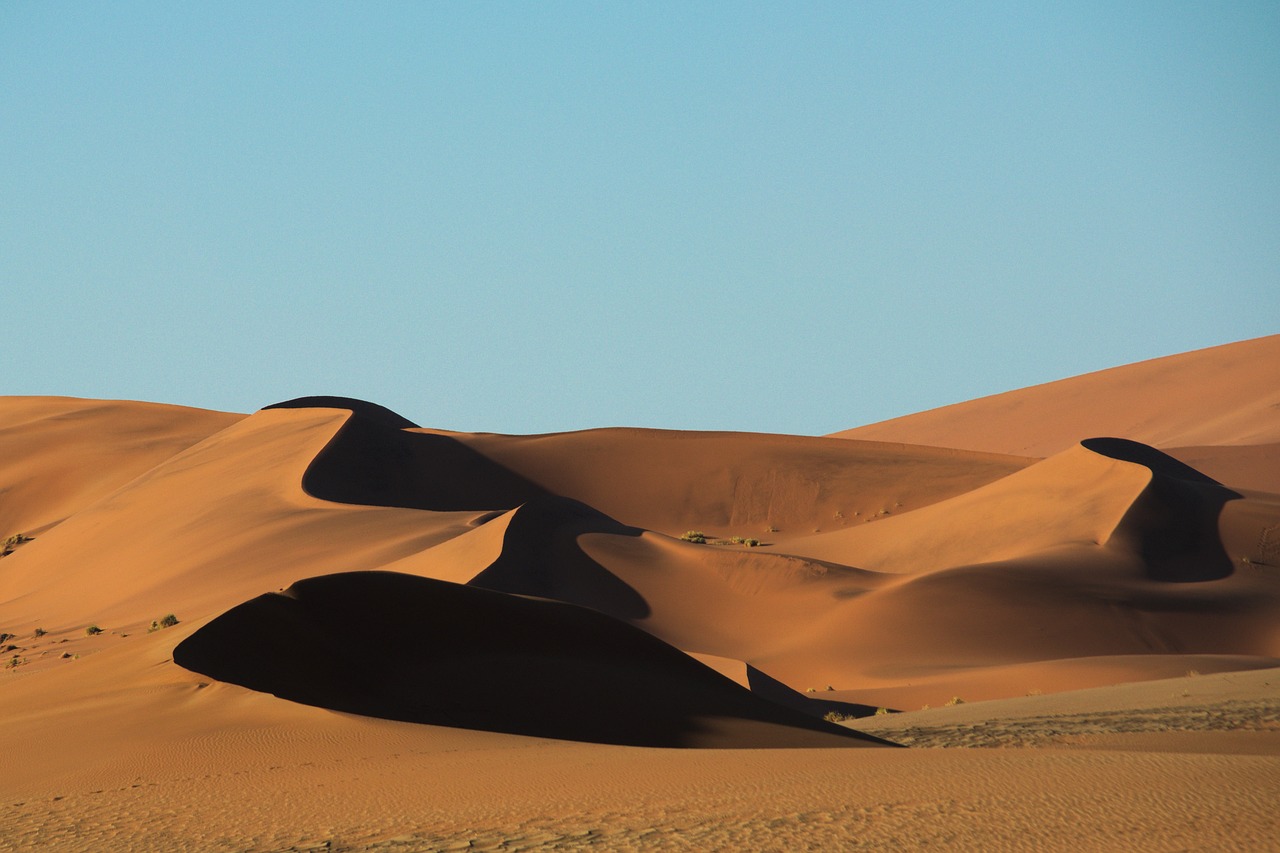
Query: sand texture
(1063, 601)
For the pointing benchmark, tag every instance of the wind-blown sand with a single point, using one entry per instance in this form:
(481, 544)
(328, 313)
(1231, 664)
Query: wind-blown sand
(397, 637)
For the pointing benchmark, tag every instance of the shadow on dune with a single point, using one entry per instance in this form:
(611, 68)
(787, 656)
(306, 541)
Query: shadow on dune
(374, 462)
(1173, 525)
(768, 687)
(361, 408)
(402, 647)
(541, 557)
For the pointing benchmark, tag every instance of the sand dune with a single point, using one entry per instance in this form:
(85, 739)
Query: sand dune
(61, 454)
(1250, 467)
(372, 460)
(744, 484)
(493, 632)
(1102, 492)
(452, 655)
(1225, 395)
(214, 525)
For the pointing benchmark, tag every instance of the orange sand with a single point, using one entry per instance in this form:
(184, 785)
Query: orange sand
(394, 637)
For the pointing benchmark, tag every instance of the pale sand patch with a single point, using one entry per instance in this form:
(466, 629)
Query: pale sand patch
(1194, 713)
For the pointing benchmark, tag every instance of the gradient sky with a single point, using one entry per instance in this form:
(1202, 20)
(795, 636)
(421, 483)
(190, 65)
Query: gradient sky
(540, 216)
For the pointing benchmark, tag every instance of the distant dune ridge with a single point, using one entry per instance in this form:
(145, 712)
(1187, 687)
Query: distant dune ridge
(1220, 406)
(342, 576)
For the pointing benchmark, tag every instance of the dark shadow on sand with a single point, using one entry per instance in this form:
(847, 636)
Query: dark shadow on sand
(1173, 524)
(373, 461)
(402, 647)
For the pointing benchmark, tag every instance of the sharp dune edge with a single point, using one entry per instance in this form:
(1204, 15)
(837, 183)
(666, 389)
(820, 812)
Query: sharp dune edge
(397, 637)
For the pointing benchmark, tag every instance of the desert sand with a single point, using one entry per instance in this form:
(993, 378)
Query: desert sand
(1044, 620)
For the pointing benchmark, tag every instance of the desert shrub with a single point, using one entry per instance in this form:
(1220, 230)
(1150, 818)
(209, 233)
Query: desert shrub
(167, 621)
(14, 662)
(751, 543)
(5, 636)
(694, 536)
(836, 717)
(769, 528)
(40, 632)
(13, 542)
(955, 700)
(92, 630)
(880, 712)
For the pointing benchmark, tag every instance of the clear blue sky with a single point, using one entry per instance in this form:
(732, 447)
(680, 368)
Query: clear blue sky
(538, 216)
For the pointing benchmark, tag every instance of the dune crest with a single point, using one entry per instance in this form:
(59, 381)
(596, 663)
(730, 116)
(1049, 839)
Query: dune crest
(1077, 497)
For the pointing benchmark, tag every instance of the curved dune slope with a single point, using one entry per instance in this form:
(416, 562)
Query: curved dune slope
(1110, 550)
(1225, 395)
(1105, 491)
(211, 526)
(374, 461)
(755, 485)
(456, 656)
(360, 409)
(1173, 524)
(541, 557)
(700, 598)
(1077, 497)
(58, 455)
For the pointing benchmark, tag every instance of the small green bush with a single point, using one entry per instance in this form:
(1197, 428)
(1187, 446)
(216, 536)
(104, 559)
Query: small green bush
(40, 632)
(167, 622)
(955, 700)
(696, 536)
(836, 717)
(92, 630)
(881, 712)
